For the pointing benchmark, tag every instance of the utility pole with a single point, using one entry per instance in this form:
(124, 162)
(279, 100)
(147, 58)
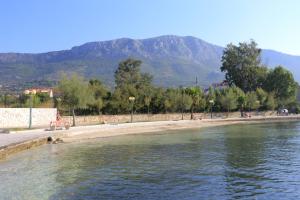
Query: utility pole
(211, 102)
(131, 99)
(30, 112)
(32, 94)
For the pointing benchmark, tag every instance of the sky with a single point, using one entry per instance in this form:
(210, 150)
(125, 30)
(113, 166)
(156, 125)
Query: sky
(33, 26)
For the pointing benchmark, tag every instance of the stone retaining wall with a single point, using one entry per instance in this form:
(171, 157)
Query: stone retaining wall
(14, 148)
(19, 117)
(100, 119)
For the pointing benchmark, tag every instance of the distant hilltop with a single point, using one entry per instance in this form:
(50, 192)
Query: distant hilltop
(172, 60)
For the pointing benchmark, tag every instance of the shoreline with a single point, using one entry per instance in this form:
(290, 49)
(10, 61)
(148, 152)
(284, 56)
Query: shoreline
(84, 133)
(140, 128)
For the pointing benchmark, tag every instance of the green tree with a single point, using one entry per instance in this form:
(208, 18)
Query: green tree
(128, 73)
(24, 100)
(262, 96)
(242, 66)
(281, 82)
(211, 96)
(75, 93)
(43, 97)
(9, 100)
(169, 101)
(131, 82)
(241, 100)
(218, 105)
(158, 100)
(251, 101)
(147, 94)
(167, 105)
(32, 100)
(197, 97)
(147, 102)
(99, 92)
(116, 102)
(187, 102)
(270, 102)
(228, 99)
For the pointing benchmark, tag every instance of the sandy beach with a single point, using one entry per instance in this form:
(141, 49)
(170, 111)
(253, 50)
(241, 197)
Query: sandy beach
(78, 134)
(22, 140)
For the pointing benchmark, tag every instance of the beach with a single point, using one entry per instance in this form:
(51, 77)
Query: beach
(109, 130)
(22, 140)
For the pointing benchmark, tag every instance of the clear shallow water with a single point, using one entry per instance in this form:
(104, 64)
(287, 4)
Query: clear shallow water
(260, 161)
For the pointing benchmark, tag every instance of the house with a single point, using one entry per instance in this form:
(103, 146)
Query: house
(39, 90)
(218, 86)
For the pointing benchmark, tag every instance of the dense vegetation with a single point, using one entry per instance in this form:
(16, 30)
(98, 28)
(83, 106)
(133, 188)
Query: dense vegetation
(252, 86)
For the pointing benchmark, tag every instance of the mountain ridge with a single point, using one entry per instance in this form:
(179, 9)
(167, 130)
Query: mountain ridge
(172, 60)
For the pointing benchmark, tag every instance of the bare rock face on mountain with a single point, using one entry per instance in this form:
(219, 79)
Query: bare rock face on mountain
(172, 60)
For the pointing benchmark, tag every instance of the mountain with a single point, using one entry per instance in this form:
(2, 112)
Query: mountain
(273, 58)
(172, 60)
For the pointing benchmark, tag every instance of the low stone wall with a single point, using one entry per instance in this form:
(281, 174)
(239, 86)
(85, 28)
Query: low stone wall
(19, 117)
(14, 148)
(100, 119)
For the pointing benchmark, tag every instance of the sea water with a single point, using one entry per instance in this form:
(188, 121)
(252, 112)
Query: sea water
(254, 161)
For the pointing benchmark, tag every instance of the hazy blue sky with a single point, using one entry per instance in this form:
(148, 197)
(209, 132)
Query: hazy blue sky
(45, 25)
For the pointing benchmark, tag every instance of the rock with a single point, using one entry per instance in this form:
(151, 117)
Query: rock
(4, 131)
(50, 139)
(54, 141)
(59, 140)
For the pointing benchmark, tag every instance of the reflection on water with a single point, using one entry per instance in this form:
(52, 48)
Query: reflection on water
(260, 161)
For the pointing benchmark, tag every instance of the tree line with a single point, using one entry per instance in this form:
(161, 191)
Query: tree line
(39, 100)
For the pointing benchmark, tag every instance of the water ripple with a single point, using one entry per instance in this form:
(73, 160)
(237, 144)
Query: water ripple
(260, 161)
